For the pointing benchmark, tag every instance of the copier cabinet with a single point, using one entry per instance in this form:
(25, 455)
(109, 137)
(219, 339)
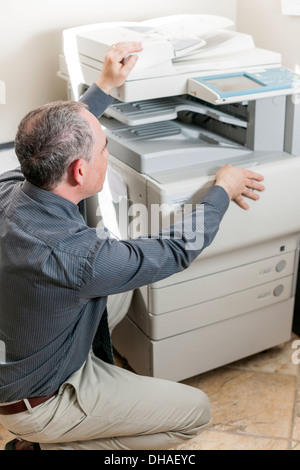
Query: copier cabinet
(224, 309)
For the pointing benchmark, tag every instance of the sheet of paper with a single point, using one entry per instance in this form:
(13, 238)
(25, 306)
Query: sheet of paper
(290, 7)
(117, 185)
(192, 25)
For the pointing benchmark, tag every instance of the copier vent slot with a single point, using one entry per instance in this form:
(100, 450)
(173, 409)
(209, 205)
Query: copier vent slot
(139, 108)
(148, 131)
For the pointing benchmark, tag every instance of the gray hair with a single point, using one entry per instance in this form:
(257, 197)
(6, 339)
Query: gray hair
(49, 139)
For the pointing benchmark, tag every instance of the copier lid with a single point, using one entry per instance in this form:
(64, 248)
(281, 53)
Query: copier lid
(164, 39)
(175, 49)
(167, 50)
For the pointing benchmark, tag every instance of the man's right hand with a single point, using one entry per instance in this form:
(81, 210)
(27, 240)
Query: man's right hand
(239, 183)
(118, 63)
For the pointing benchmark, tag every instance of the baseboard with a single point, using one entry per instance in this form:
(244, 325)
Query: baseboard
(7, 146)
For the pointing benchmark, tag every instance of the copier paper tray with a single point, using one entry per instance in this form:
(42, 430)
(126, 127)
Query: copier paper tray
(177, 149)
(167, 145)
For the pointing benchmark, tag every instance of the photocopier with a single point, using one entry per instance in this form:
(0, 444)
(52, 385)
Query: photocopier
(200, 96)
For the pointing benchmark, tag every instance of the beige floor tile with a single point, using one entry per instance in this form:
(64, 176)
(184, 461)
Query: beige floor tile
(295, 446)
(250, 402)
(296, 429)
(214, 440)
(275, 360)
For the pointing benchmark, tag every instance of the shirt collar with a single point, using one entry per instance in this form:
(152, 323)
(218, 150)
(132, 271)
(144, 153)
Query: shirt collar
(50, 200)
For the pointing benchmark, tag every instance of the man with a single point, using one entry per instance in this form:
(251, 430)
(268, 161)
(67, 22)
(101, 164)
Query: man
(56, 275)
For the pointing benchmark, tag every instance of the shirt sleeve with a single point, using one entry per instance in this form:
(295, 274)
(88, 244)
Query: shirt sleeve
(118, 266)
(96, 100)
(12, 176)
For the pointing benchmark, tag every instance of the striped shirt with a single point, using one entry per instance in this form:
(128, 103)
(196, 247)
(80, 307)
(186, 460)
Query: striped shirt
(56, 274)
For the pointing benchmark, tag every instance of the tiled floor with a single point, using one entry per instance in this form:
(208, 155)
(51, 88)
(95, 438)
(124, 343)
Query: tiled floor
(255, 404)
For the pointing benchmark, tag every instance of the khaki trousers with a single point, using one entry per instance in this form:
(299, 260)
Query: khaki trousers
(104, 407)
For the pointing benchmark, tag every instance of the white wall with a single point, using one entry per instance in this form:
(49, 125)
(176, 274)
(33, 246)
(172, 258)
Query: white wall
(270, 29)
(30, 37)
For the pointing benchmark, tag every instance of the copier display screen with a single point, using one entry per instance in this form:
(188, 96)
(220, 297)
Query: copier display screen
(239, 82)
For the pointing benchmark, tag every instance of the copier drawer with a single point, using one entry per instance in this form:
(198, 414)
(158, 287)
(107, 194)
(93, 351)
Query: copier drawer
(213, 319)
(203, 314)
(219, 284)
(221, 309)
(194, 352)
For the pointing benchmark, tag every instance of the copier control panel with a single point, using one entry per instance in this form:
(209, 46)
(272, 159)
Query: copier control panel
(234, 87)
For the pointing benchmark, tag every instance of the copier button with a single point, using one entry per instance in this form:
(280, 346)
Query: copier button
(278, 290)
(281, 266)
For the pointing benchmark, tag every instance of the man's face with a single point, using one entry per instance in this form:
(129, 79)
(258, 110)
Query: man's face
(97, 166)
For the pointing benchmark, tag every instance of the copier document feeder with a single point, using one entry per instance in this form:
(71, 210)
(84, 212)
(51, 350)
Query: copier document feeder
(202, 96)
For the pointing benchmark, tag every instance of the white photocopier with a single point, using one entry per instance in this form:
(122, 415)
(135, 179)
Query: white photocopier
(201, 96)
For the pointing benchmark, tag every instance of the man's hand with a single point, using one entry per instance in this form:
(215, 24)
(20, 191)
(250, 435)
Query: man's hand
(117, 65)
(239, 182)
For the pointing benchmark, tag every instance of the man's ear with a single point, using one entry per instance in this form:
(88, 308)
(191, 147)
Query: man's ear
(77, 171)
